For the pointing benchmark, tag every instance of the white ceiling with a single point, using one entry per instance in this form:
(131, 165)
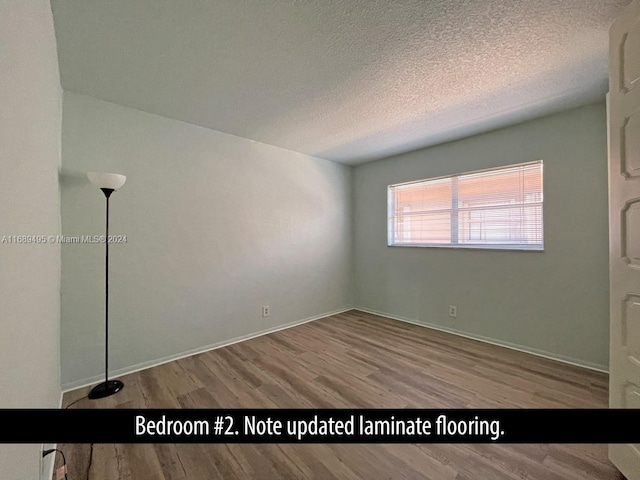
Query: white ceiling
(347, 80)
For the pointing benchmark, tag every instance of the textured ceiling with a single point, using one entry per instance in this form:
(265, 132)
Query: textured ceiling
(346, 80)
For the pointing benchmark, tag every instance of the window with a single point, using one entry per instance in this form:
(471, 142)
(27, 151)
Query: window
(500, 208)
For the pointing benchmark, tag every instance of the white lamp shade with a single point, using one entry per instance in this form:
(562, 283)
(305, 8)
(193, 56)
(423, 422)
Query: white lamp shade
(106, 180)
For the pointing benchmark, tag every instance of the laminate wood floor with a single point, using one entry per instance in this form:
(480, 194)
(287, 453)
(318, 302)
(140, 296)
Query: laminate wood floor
(349, 360)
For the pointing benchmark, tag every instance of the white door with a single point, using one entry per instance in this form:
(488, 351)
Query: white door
(624, 226)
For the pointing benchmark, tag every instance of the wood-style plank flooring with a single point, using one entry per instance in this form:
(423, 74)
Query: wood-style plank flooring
(351, 360)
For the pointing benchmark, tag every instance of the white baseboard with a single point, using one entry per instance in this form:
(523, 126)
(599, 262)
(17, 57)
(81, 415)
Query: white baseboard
(66, 387)
(520, 348)
(48, 463)
(46, 470)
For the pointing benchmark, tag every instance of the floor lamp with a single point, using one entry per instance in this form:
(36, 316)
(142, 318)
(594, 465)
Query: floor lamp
(108, 183)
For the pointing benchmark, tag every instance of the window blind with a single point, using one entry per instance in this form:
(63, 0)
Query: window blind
(500, 208)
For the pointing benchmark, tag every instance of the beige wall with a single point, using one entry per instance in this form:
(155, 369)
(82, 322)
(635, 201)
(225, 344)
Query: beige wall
(30, 118)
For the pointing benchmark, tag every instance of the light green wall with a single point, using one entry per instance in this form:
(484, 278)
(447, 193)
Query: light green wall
(30, 120)
(216, 226)
(553, 302)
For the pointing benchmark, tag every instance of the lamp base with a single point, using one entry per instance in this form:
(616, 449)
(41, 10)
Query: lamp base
(106, 389)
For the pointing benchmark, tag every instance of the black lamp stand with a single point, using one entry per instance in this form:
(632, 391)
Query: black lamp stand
(108, 387)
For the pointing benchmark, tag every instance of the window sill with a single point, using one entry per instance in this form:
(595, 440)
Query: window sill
(517, 248)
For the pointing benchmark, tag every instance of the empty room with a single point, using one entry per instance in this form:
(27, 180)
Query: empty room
(405, 228)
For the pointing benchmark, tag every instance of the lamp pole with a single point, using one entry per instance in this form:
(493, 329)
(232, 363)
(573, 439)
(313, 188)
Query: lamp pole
(108, 183)
(107, 194)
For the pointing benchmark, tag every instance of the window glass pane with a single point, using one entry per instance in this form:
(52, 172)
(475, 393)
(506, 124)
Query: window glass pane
(517, 225)
(424, 228)
(423, 196)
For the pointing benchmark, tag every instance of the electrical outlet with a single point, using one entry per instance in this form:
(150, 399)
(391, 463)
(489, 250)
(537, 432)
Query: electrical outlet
(266, 311)
(453, 311)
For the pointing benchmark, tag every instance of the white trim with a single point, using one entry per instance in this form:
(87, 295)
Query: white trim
(473, 246)
(501, 343)
(48, 471)
(51, 458)
(67, 387)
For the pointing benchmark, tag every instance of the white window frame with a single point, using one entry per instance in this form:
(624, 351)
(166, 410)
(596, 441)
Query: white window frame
(536, 247)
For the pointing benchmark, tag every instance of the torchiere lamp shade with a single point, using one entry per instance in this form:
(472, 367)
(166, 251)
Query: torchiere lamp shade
(111, 181)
